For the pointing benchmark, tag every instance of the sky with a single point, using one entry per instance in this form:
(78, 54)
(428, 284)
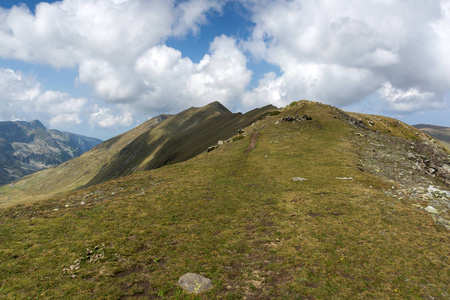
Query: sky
(101, 67)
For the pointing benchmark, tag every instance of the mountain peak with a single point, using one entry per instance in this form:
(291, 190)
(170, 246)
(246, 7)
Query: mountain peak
(36, 124)
(33, 124)
(217, 106)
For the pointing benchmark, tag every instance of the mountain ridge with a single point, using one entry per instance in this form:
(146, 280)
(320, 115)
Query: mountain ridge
(165, 139)
(307, 202)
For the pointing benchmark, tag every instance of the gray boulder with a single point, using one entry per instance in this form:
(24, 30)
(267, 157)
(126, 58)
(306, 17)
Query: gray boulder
(195, 283)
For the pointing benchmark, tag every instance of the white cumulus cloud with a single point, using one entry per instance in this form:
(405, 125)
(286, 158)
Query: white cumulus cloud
(342, 51)
(221, 75)
(23, 98)
(409, 100)
(103, 117)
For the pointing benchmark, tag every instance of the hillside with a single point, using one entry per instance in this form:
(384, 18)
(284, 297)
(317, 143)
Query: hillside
(160, 141)
(27, 147)
(313, 203)
(179, 138)
(73, 173)
(442, 134)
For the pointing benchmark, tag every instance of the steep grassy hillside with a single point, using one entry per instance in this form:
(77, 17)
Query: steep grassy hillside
(74, 173)
(160, 141)
(179, 138)
(300, 208)
(442, 134)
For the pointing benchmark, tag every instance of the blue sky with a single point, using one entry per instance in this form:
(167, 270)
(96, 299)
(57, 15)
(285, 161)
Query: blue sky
(101, 67)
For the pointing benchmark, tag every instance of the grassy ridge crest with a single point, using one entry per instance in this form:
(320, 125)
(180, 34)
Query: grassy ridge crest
(236, 216)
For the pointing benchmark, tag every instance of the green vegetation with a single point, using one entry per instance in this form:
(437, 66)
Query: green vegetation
(158, 142)
(274, 113)
(177, 139)
(235, 216)
(72, 174)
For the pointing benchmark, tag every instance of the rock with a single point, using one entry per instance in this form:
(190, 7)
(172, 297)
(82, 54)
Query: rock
(212, 148)
(288, 119)
(298, 179)
(443, 222)
(431, 209)
(437, 192)
(195, 283)
(344, 178)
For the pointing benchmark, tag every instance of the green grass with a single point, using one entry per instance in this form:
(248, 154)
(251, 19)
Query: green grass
(236, 217)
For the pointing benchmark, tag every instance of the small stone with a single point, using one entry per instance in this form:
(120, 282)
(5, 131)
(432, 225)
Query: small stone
(195, 283)
(298, 179)
(344, 178)
(431, 209)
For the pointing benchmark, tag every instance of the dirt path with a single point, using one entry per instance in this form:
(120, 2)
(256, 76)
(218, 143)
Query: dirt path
(301, 108)
(253, 139)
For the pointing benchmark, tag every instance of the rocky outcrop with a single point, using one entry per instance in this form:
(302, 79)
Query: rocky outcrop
(420, 169)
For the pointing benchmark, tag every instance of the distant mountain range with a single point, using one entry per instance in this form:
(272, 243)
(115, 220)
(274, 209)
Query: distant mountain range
(28, 147)
(442, 134)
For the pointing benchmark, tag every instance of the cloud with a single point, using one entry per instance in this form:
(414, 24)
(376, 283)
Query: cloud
(15, 87)
(102, 117)
(22, 97)
(340, 52)
(69, 32)
(65, 120)
(118, 48)
(165, 75)
(192, 14)
(409, 100)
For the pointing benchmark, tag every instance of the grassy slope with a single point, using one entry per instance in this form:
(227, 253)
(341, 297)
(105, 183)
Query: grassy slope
(71, 174)
(442, 134)
(179, 138)
(150, 145)
(237, 218)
